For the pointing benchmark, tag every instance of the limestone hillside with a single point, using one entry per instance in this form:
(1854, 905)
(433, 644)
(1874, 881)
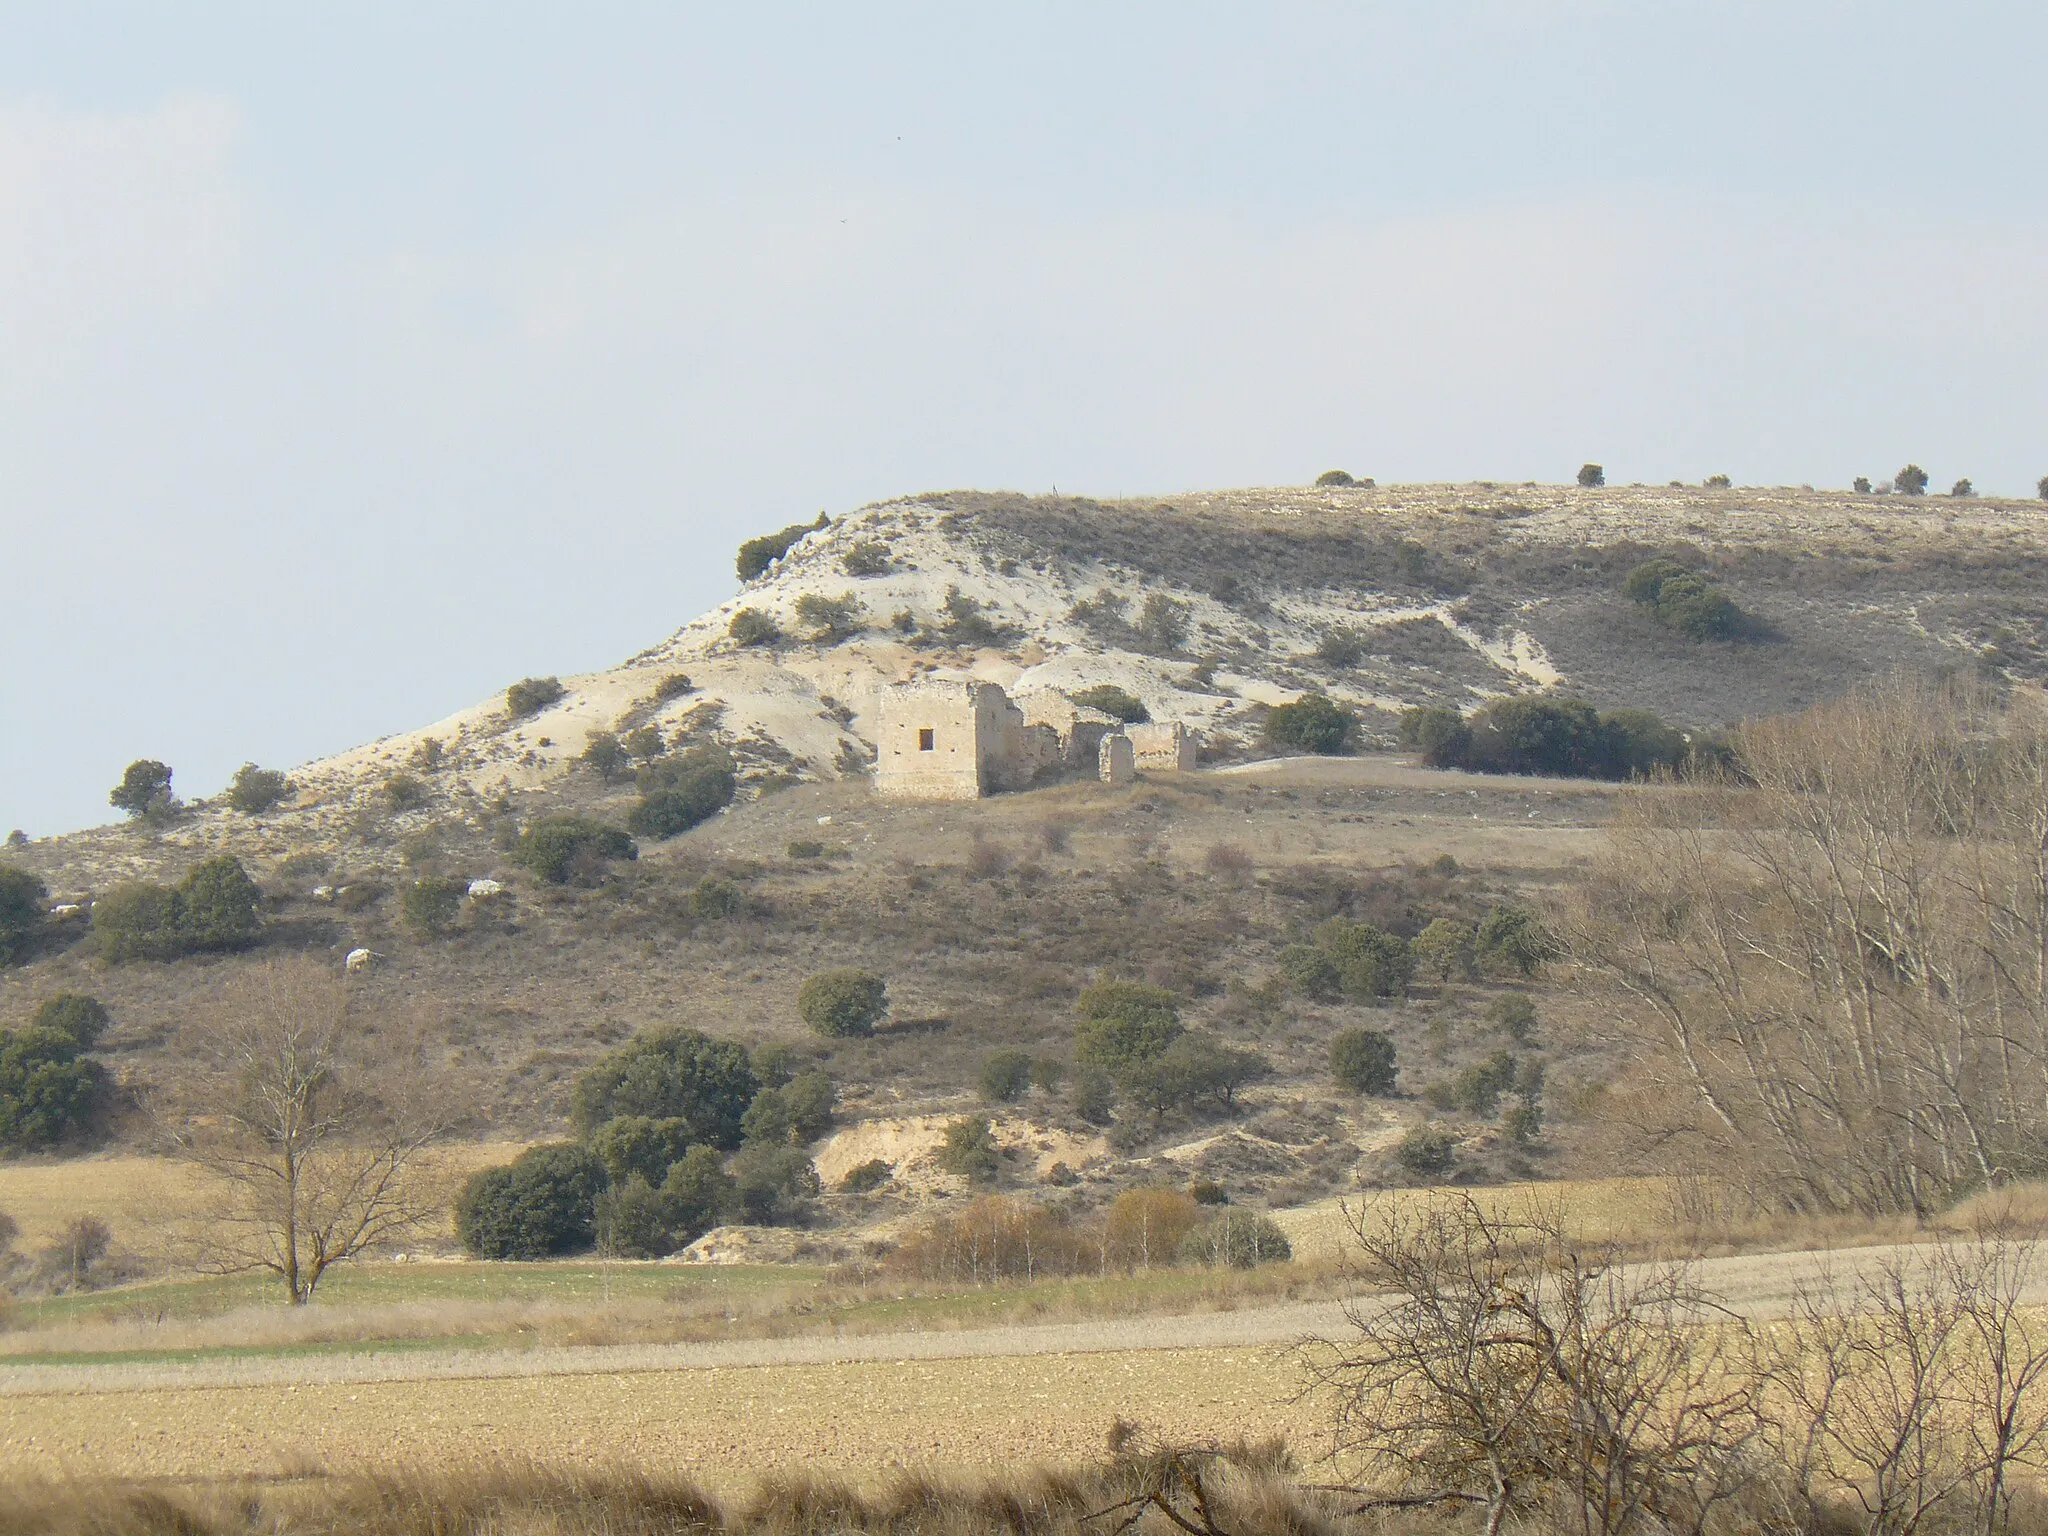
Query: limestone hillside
(987, 920)
(1460, 593)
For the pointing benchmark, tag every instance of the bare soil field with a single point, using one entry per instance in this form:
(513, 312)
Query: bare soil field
(968, 1399)
(721, 1425)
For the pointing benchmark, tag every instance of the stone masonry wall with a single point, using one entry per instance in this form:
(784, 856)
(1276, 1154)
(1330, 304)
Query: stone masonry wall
(1165, 746)
(933, 738)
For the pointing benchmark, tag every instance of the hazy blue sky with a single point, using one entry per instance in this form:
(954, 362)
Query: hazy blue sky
(358, 359)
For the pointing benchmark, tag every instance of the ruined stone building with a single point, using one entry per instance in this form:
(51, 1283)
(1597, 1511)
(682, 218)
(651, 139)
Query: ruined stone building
(951, 740)
(1163, 746)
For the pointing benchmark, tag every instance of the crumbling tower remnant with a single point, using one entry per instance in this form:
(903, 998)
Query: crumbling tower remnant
(1114, 760)
(947, 739)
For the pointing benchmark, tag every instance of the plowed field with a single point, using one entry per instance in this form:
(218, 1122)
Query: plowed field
(720, 1424)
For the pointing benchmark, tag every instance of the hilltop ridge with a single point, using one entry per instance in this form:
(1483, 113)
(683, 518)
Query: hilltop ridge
(1444, 594)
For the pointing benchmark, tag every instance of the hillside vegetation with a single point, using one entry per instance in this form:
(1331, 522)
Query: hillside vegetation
(1332, 972)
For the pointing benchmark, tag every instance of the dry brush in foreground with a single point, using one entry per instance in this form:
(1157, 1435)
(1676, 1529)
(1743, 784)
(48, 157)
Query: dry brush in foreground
(1235, 1490)
(1501, 1366)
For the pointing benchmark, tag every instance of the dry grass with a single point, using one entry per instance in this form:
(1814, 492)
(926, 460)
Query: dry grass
(2015, 1208)
(139, 1196)
(650, 1303)
(1664, 1216)
(1599, 1209)
(584, 1303)
(129, 1193)
(1247, 1487)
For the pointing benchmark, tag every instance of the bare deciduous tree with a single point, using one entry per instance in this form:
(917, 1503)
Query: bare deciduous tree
(1505, 1366)
(314, 1142)
(1841, 960)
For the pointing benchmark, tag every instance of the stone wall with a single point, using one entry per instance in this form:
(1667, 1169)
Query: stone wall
(1077, 727)
(1113, 759)
(934, 739)
(1165, 746)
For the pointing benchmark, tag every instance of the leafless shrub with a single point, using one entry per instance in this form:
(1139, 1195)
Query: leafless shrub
(1000, 1237)
(1917, 1391)
(1228, 861)
(1507, 1368)
(986, 858)
(79, 1258)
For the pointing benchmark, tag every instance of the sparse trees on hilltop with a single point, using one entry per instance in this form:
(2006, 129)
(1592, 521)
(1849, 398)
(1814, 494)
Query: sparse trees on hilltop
(1911, 481)
(757, 554)
(256, 790)
(531, 695)
(1592, 476)
(405, 792)
(750, 626)
(870, 557)
(145, 791)
(829, 620)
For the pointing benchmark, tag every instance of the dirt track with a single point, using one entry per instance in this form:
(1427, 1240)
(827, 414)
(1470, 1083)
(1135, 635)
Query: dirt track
(974, 1397)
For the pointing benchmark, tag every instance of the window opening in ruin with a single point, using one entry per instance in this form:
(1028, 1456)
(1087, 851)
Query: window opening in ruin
(924, 739)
